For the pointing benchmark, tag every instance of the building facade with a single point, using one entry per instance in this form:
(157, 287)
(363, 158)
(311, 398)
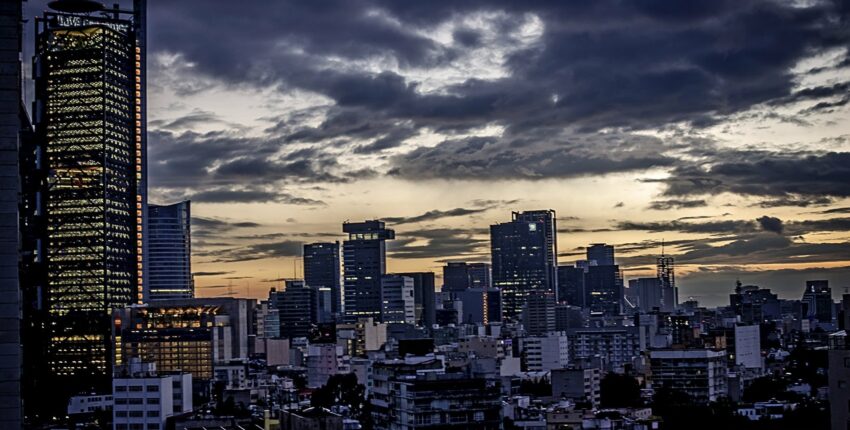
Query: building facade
(297, 306)
(397, 303)
(322, 271)
(701, 373)
(170, 252)
(424, 301)
(364, 263)
(521, 264)
(89, 116)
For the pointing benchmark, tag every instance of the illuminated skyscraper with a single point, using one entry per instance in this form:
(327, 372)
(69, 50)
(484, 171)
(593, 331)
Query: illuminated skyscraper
(364, 259)
(169, 252)
(667, 280)
(522, 260)
(89, 116)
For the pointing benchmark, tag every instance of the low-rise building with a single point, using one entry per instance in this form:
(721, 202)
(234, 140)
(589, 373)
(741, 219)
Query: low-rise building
(701, 373)
(144, 399)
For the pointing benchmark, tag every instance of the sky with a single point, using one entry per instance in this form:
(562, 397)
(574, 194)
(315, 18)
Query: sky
(718, 127)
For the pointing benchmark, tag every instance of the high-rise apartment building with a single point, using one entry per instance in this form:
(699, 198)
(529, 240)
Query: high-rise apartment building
(321, 271)
(364, 263)
(169, 252)
(87, 184)
(522, 262)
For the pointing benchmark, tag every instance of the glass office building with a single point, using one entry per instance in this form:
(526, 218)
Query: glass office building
(170, 252)
(90, 194)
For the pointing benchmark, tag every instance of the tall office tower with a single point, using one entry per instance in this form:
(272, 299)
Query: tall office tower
(550, 232)
(604, 289)
(11, 127)
(321, 270)
(364, 263)
(571, 286)
(89, 115)
(397, 304)
(298, 308)
(601, 253)
(538, 316)
(480, 306)
(423, 297)
(667, 280)
(520, 262)
(818, 301)
(649, 293)
(169, 252)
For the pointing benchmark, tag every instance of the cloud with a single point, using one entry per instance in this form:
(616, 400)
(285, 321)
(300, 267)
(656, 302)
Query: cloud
(795, 177)
(663, 205)
(212, 273)
(257, 251)
(438, 243)
(771, 224)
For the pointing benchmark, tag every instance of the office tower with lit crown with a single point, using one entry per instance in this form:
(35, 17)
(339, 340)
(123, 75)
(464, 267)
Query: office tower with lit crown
(321, 270)
(13, 122)
(364, 259)
(169, 252)
(521, 262)
(89, 116)
(550, 232)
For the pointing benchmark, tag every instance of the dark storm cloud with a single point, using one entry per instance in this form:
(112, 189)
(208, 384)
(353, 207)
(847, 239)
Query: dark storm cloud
(436, 214)
(438, 244)
(211, 273)
(598, 65)
(531, 156)
(801, 176)
(663, 205)
(771, 224)
(711, 227)
(257, 251)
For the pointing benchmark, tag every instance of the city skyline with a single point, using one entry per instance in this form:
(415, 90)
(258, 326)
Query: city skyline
(732, 153)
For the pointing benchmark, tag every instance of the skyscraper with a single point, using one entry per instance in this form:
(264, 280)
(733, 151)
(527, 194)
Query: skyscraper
(364, 263)
(170, 252)
(649, 293)
(397, 304)
(89, 115)
(298, 308)
(550, 232)
(11, 126)
(521, 263)
(667, 281)
(455, 277)
(601, 253)
(321, 270)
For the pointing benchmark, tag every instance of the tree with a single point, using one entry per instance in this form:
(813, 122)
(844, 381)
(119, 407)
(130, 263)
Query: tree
(619, 391)
(343, 390)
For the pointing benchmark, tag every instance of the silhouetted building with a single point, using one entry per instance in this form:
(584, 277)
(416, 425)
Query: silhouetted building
(817, 300)
(89, 115)
(170, 252)
(480, 306)
(604, 289)
(754, 305)
(321, 271)
(649, 293)
(423, 297)
(298, 308)
(522, 264)
(601, 253)
(550, 232)
(364, 263)
(459, 276)
(571, 286)
(538, 316)
(13, 125)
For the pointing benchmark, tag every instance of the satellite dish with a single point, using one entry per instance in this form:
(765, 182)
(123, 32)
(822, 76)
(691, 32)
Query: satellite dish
(75, 6)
